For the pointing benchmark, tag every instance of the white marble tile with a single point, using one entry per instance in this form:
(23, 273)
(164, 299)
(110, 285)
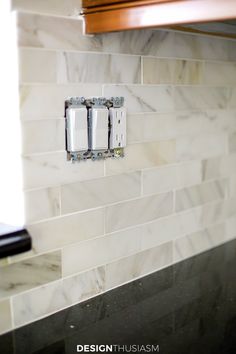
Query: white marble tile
(53, 297)
(98, 68)
(198, 242)
(230, 228)
(53, 169)
(143, 210)
(167, 71)
(37, 66)
(232, 141)
(5, 316)
(145, 127)
(143, 98)
(232, 98)
(232, 186)
(41, 204)
(161, 179)
(200, 194)
(129, 268)
(171, 227)
(42, 101)
(201, 97)
(43, 136)
(201, 122)
(62, 231)
(139, 156)
(201, 146)
(89, 254)
(218, 211)
(30, 273)
(99, 192)
(219, 167)
(54, 7)
(221, 74)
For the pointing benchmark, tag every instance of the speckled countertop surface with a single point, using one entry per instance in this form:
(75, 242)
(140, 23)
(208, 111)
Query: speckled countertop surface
(186, 308)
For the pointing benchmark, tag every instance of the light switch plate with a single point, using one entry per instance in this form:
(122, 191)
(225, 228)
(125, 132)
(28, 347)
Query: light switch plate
(76, 129)
(98, 128)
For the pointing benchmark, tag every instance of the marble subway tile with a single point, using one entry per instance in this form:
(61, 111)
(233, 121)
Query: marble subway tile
(201, 97)
(98, 68)
(30, 273)
(43, 136)
(232, 98)
(143, 98)
(53, 297)
(198, 242)
(200, 194)
(37, 66)
(129, 268)
(144, 127)
(42, 101)
(56, 233)
(139, 156)
(232, 186)
(160, 179)
(220, 74)
(232, 141)
(5, 316)
(143, 210)
(201, 146)
(167, 71)
(42, 204)
(98, 192)
(218, 211)
(46, 170)
(201, 122)
(92, 253)
(171, 227)
(230, 228)
(218, 167)
(61, 7)
(232, 50)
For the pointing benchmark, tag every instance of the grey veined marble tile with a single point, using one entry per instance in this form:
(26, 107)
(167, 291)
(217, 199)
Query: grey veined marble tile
(98, 68)
(5, 316)
(29, 273)
(200, 194)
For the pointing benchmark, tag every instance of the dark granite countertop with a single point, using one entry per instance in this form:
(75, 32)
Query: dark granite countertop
(186, 308)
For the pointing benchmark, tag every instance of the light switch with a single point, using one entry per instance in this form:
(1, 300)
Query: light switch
(117, 127)
(98, 128)
(76, 129)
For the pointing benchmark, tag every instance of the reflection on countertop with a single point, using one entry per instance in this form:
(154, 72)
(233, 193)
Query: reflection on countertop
(186, 308)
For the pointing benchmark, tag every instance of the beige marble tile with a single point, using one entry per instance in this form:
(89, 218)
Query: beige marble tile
(221, 74)
(37, 66)
(53, 297)
(30, 273)
(144, 127)
(129, 268)
(99, 192)
(161, 179)
(98, 68)
(219, 167)
(143, 98)
(62, 231)
(201, 146)
(43, 136)
(230, 228)
(232, 141)
(89, 254)
(5, 318)
(143, 210)
(139, 156)
(232, 98)
(41, 204)
(201, 97)
(232, 186)
(166, 71)
(46, 170)
(54, 7)
(198, 242)
(200, 194)
(42, 101)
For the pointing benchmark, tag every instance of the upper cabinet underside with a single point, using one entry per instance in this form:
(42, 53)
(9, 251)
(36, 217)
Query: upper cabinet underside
(102, 16)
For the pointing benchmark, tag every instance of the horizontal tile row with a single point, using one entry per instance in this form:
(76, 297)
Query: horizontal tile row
(40, 66)
(67, 34)
(63, 7)
(47, 101)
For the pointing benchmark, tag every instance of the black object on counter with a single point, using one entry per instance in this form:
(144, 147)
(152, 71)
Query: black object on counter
(13, 241)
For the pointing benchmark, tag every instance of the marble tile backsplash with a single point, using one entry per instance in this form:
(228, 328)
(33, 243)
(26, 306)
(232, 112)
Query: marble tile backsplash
(97, 225)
